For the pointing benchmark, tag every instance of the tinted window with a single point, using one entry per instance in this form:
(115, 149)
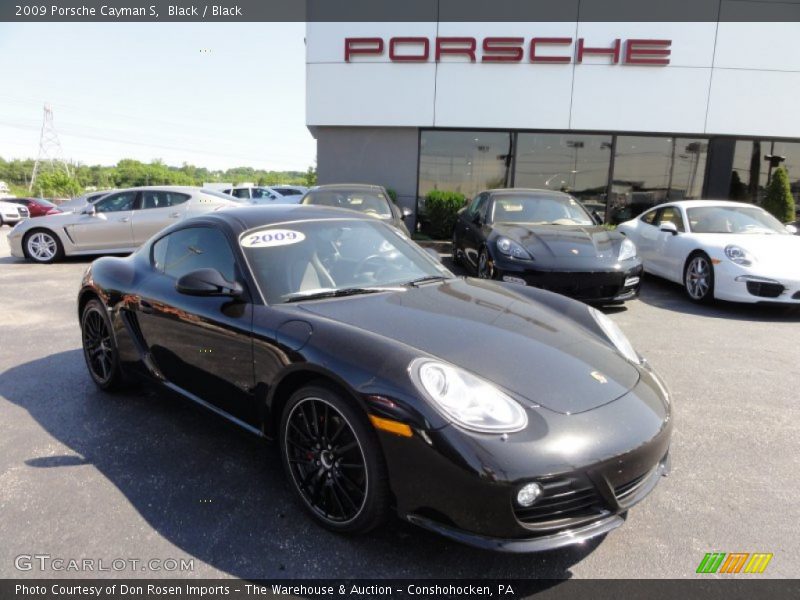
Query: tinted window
(116, 202)
(288, 191)
(366, 201)
(649, 217)
(241, 193)
(544, 209)
(162, 199)
(194, 248)
(671, 214)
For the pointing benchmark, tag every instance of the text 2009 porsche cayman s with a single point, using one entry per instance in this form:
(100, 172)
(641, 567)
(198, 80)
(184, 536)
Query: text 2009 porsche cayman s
(502, 416)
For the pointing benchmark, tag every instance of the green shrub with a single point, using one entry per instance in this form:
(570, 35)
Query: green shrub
(779, 201)
(392, 194)
(441, 210)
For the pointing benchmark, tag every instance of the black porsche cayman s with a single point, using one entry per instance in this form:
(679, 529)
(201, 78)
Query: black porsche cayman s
(546, 239)
(502, 416)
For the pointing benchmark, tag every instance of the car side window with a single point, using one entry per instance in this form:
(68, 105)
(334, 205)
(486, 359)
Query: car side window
(193, 248)
(670, 214)
(242, 193)
(116, 202)
(483, 208)
(473, 206)
(162, 199)
(649, 217)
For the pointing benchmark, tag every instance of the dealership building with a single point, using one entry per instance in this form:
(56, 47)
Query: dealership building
(623, 115)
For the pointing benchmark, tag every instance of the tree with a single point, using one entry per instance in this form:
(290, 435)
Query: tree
(311, 176)
(779, 201)
(56, 184)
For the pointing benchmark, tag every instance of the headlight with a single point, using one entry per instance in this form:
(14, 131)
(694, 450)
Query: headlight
(466, 399)
(627, 250)
(614, 333)
(512, 248)
(739, 255)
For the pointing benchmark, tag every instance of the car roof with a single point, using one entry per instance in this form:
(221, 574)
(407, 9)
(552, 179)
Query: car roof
(700, 203)
(244, 217)
(346, 186)
(522, 191)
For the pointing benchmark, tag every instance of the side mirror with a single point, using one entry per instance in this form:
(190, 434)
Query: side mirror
(89, 210)
(598, 218)
(434, 254)
(207, 282)
(791, 229)
(669, 228)
(406, 212)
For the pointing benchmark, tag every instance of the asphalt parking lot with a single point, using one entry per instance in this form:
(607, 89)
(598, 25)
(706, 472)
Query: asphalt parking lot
(141, 475)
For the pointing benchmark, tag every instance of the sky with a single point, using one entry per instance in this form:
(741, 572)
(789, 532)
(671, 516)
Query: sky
(210, 94)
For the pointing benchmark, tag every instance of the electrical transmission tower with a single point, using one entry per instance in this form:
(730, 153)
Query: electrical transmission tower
(49, 147)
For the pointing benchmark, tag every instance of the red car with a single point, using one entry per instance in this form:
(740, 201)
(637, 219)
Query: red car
(38, 207)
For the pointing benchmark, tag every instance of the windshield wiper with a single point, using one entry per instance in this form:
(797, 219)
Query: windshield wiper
(350, 291)
(417, 282)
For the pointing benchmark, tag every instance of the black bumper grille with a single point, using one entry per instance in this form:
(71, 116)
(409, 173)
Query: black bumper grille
(764, 290)
(568, 499)
(583, 286)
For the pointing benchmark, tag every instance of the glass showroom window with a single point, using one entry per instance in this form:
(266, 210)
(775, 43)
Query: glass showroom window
(572, 163)
(652, 170)
(751, 170)
(464, 161)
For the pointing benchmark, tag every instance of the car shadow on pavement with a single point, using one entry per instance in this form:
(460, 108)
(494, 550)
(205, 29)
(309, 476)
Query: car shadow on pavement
(671, 296)
(219, 494)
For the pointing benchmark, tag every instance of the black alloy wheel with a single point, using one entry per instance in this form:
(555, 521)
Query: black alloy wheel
(485, 266)
(99, 348)
(331, 455)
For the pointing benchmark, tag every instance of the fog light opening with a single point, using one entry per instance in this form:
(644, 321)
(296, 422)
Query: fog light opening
(528, 494)
(631, 281)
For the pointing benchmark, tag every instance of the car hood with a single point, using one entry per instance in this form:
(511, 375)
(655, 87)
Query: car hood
(562, 241)
(521, 345)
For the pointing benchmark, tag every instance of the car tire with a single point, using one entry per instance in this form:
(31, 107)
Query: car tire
(485, 268)
(100, 348)
(698, 278)
(42, 246)
(456, 252)
(333, 460)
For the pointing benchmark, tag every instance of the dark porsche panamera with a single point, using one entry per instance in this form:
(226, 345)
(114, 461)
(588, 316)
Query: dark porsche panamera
(546, 239)
(501, 416)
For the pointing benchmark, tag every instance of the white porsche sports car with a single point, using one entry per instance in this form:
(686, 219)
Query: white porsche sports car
(717, 249)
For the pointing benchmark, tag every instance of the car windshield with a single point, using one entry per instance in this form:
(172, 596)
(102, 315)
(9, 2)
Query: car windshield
(539, 209)
(260, 192)
(312, 259)
(745, 219)
(366, 201)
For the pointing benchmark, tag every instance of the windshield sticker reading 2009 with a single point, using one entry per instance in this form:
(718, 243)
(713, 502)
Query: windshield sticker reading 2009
(273, 237)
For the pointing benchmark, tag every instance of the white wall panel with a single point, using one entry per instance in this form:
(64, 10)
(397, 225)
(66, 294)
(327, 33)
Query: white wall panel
(497, 95)
(667, 99)
(370, 94)
(325, 41)
(767, 46)
(754, 103)
(692, 43)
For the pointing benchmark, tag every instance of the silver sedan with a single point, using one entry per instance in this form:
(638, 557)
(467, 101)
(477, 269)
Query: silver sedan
(116, 224)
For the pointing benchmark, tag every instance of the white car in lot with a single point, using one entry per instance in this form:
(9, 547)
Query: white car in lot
(717, 249)
(11, 213)
(260, 194)
(116, 224)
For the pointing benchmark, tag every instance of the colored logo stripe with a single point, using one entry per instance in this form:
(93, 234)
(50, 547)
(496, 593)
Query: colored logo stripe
(713, 562)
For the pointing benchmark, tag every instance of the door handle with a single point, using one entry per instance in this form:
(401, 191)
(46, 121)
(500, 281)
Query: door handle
(174, 215)
(146, 307)
(125, 219)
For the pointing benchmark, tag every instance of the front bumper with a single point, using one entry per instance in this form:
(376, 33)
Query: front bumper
(739, 284)
(15, 244)
(593, 467)
(582, 283)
